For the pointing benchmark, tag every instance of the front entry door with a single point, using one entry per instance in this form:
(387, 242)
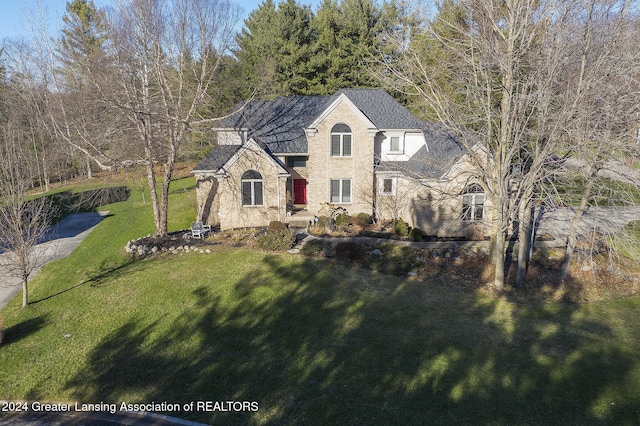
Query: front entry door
(299, 191)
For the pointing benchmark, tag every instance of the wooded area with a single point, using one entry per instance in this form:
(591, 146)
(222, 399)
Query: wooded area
(522, 84)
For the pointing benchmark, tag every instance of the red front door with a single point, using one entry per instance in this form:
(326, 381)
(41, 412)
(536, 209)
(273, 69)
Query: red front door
(299, 191)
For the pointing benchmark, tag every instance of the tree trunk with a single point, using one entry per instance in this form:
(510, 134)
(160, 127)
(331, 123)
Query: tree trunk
(25, 292)
(499, 261)
(89, 171)
(524, 243)
(164, 201)
(573, 229)
(153, 189)
(525, 227)
(500, 244)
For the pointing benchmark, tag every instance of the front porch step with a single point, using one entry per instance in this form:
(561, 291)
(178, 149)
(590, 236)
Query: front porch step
(298, 224)
(300, 220)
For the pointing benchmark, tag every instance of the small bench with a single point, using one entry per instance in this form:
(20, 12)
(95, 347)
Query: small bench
(199, 230)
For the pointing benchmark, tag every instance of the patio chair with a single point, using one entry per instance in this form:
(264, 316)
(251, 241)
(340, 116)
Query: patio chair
(199, 230)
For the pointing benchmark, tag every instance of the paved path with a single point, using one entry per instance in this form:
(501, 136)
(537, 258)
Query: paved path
(606, 220)
(59, 242)
(613, 169)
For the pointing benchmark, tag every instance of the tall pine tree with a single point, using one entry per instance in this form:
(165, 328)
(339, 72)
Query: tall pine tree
(274, 48)
(83, 37)
(287, 50)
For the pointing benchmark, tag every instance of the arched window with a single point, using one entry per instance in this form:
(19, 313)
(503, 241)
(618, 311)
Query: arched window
(341, 141)
(252, 194)
(473, 203)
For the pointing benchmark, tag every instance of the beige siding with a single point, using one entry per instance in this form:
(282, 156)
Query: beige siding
(231, 137)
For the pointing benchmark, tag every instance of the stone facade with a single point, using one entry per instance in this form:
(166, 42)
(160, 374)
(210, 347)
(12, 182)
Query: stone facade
(358, 167)
(225, 192)
(396, 166)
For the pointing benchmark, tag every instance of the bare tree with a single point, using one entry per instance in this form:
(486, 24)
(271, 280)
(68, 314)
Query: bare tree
(604, 124)
(489, 71)
(138, 99)
(165, 55)
(23, 222)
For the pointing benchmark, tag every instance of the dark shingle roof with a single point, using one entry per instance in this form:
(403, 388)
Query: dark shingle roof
(279, 125)
(216, 158)
(383, 111)
(444, 150)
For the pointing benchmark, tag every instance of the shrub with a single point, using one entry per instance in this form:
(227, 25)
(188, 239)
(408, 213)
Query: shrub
(400, 228)
(363, 219)
(416, 234)
(324, 221)
(277, 240)
(317, 230)
(395, 260)
(312, 248)
(276, 226)
(342, 219)
(1, 331)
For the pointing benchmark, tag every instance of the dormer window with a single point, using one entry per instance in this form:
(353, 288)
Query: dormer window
(341, 141)
(396, 145)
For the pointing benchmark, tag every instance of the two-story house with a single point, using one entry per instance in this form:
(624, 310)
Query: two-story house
(358, 149)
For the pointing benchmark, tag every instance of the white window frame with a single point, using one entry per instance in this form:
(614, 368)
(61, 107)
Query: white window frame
(401, 143)
(473, 199)
(393, 186)
(253, 183)
(342, 142)
(341, 195)
(400, 149)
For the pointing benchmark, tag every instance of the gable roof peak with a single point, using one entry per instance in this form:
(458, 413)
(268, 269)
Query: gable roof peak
(381, 109)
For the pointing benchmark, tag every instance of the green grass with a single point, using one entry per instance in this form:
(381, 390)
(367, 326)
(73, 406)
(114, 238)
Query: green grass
(626, 242)
(312, 341)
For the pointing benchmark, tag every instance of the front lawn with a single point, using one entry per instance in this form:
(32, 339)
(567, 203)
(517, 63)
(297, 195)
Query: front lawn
(311, 341)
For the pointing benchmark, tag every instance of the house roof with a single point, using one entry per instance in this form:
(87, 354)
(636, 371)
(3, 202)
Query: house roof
(217, 158)
(430, 163)
(383, 111)
(279, 126)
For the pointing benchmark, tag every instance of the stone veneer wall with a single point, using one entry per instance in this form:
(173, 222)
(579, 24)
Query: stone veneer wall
(359, 167)
(227, 210)
(208, 200)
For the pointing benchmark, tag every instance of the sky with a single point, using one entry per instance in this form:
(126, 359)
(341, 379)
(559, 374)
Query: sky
(15, 15)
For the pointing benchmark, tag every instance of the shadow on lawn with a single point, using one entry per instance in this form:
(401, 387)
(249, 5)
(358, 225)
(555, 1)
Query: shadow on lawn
(318, 343)
(21, 330)
(107, 270)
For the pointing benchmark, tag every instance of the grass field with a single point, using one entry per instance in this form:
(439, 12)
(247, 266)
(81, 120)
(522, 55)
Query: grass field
(310, 341)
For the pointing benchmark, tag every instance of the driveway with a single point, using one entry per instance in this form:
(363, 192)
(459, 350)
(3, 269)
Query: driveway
(606, 220)
(60, 241)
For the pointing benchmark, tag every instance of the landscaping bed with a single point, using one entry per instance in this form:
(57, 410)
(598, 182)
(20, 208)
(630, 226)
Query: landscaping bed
(457, 265)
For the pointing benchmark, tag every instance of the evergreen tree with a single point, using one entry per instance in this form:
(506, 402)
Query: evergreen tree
(258, 44)
(297, 36)
(289, 50)
(349, 33)
(83, 37)
(274, 48)
(434, 50)
(80, 49)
